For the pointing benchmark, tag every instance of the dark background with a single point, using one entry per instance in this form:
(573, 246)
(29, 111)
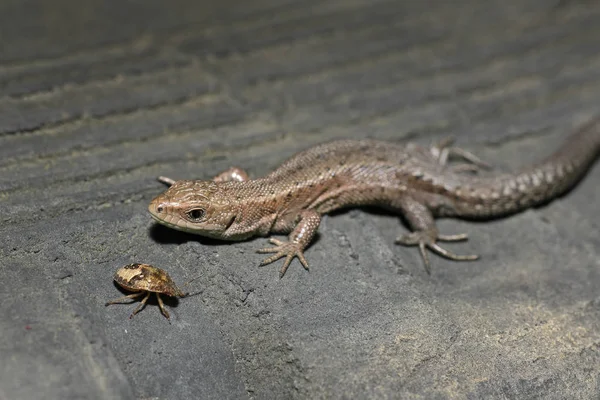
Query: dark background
(97, 98)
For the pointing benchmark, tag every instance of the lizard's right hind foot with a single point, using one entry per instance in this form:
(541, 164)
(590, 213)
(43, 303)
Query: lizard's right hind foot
(427, 240)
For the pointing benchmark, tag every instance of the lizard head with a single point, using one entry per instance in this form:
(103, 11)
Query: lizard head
(199, 207)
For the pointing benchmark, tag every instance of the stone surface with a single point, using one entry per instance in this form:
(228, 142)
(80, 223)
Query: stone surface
(99, 98)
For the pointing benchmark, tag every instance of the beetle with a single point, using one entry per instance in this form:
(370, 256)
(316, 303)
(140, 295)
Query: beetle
(145, 279)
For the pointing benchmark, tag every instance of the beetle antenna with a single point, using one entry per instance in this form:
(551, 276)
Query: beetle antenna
(188, 282)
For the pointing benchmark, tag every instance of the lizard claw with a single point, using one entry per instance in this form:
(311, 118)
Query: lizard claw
(465, 168)
(427, 240)
(443, 150)
(289, 250)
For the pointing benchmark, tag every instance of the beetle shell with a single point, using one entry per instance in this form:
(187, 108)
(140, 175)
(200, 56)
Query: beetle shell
(137, 277)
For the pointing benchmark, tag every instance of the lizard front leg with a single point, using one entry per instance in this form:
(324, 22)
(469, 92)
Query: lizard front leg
(298, 240)
(425, 233)
(232, 174)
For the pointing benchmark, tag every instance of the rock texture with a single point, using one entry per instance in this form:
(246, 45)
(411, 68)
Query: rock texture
(98, 98)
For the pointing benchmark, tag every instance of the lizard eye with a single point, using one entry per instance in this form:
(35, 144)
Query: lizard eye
(196, 214)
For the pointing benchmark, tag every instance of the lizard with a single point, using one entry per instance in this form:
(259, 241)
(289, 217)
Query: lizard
(413, 180)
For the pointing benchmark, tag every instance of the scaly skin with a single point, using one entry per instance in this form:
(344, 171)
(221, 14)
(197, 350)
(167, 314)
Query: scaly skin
(409, 179)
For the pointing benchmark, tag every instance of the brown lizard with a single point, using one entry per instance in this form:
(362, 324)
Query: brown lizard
(415, 181)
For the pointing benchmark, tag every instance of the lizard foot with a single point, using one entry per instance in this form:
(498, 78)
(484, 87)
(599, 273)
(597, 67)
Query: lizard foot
(166, 180)
(443, 150)
(427, 239)
(464, 168)
(289, 250)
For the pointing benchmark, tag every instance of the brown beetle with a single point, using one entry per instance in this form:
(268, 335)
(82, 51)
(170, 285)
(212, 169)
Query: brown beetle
(145, 279)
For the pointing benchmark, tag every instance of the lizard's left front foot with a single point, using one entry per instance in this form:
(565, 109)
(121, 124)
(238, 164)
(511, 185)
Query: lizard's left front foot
(289, 250)
(427, 239)
(166, 180)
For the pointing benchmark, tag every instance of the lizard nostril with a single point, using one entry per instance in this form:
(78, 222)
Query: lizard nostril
(159, 209)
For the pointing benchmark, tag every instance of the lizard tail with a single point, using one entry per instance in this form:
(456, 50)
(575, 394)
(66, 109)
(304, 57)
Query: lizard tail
(562, 170)
(511, 193)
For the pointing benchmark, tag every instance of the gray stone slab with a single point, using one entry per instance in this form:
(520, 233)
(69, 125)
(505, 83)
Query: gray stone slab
(96, 100)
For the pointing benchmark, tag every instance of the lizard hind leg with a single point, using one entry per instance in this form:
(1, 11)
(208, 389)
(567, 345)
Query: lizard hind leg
(425, 234)
(427, 240)
(443, 150)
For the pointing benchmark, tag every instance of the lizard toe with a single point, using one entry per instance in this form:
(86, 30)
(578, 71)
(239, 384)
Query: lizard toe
(289, 250)
(409, 239)
(428, 240)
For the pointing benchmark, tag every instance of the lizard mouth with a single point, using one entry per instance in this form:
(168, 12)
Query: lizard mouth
(154, 217)
(172, 225)
(163, 219)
